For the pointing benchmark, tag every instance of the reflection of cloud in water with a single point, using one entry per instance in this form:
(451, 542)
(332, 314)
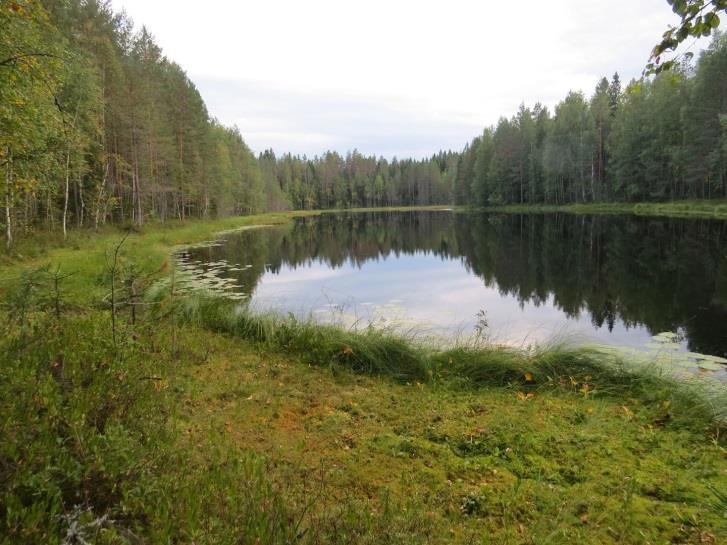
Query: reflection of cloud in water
(425, 293)
(299, 275)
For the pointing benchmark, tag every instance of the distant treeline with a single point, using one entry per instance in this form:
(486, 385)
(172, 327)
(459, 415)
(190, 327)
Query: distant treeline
(659, 139)
(334, 181)
(97, 126)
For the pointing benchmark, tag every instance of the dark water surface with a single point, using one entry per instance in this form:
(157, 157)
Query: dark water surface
(521, 278)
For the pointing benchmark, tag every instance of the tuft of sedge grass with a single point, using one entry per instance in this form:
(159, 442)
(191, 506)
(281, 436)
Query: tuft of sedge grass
(585, 371)
(387, 353)
(371, 351)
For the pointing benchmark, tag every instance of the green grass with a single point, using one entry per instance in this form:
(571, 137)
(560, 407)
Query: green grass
(715, 208)
(199, 424)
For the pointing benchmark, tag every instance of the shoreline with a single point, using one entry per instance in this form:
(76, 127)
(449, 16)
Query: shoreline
(702, 209)
(30, 247)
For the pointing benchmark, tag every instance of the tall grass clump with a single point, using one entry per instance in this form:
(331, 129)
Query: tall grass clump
(223, 497)
(585, 371)
(500, 366)
(371, 351)
(81, 427)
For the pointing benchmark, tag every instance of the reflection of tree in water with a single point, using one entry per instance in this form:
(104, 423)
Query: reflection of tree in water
(660, 272)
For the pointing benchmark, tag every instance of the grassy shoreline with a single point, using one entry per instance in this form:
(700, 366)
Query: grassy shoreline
(392, 355)
(42, 244)
(712, 209)
(199, 424)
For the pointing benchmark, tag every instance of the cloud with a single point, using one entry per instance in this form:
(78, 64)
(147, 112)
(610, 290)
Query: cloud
(394, 77)
(310, 123)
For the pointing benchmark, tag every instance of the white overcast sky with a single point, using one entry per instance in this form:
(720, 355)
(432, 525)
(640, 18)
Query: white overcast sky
(393, 77)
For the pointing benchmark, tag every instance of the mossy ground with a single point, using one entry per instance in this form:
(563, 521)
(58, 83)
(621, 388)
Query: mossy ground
(482, 466)
(210, 438)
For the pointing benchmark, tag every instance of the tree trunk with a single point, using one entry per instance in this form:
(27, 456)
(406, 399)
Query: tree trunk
(82, 203)
(66, 191)
(49, 211)
(99, 200)
(9, 200)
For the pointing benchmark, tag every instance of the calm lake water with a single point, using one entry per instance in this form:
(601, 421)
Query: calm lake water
(519, 279)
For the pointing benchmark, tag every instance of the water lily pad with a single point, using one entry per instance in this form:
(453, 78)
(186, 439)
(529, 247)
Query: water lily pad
(666, 345)
(710, 365)
(707, 357)
(666, 336)
(671, 346)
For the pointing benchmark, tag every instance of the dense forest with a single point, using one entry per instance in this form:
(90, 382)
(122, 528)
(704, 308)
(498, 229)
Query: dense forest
(98, 126)
(662, 138)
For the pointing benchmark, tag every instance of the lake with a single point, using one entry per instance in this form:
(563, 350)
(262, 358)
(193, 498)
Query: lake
(518, 279)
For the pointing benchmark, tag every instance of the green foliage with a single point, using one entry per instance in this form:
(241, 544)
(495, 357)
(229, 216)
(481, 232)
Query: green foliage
(698, 18)
(334, 181)
(98, 126)
(79, 426)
